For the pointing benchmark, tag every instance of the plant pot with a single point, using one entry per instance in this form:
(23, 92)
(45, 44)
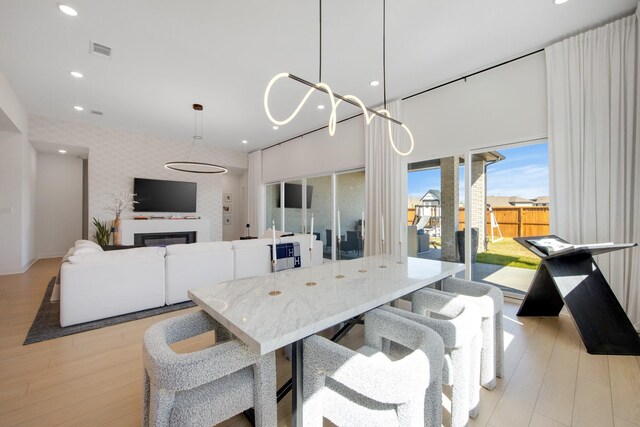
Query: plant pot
(117, 231)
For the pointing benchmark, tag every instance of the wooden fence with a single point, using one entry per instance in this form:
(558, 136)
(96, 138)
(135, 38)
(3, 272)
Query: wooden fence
(513, 221)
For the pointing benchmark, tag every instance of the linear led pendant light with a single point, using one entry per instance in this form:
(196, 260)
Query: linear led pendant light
(368, 113)
(195, 167)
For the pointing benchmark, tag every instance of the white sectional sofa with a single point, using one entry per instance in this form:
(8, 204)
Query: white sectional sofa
(96, 285)
(105, 284)
(196, 265)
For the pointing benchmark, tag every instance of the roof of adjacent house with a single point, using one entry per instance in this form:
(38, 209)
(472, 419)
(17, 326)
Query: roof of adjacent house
(499, 201)
(436, 194)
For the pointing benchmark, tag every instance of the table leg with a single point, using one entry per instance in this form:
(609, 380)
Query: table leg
(297, 383)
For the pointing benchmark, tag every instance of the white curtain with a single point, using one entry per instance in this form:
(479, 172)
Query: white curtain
(594, 150)
(385, 185)
(255, 194)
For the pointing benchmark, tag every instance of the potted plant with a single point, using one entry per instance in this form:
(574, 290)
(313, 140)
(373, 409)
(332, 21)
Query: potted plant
(103, 233)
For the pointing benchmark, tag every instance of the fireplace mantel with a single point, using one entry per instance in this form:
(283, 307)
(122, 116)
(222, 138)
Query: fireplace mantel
(134, 226)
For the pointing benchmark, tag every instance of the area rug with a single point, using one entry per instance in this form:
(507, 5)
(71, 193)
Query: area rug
(46, 325)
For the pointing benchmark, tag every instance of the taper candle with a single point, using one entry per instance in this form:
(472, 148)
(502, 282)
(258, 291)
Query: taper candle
(381, 227)
(273, 235)
(362, 228)
(339, 232)
(311, 236)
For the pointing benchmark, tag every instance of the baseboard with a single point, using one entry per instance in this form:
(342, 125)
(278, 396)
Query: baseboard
(56, 255)
(25, 268)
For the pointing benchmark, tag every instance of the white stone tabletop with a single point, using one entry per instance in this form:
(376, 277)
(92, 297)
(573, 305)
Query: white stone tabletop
(266, 322)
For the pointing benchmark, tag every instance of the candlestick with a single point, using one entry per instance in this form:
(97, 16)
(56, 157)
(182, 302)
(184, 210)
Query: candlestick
(362, 269)
(362, 228)
(382, 254)
(339, 275)
(339, 232)
(274, 256)
(274, 292)
(382, 227)
(311, 282)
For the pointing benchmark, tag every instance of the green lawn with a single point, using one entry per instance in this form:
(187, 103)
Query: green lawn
(505, 252)
(509, 252)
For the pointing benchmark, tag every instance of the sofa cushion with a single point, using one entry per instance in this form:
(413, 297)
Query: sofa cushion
(192, 248)
(110, 256)
(85, 249)
(87, 243)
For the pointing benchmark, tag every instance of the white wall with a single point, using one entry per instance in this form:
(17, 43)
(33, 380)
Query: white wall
(503, 105)
(29, 205)
(316, 153)
(235, 184)
(17, 185)
(59, 210)
(116, 157)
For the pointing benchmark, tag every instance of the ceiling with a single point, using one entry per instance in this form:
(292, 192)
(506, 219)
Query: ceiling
(168, 55)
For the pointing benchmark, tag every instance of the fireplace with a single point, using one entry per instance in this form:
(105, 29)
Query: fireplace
(163, 239)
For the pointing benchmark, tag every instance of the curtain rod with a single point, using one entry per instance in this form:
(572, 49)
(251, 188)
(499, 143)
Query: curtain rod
(416, 94)
(474, 73)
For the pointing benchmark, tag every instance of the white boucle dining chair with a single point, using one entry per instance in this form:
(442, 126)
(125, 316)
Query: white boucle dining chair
(367, 387)
(457, 321)
(490, 301)
(205, 387)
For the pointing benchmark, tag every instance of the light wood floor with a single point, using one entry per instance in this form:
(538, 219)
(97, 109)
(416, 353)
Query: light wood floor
(95, 378)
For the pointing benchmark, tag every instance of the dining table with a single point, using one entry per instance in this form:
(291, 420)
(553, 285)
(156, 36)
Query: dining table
(273, 311)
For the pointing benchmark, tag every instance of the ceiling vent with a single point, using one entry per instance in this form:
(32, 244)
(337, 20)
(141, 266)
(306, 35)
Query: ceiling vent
(96, 112)
(100, 50)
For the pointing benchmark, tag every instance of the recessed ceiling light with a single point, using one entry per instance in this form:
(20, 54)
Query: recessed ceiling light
(320, 107)
(78, 108)
(67, 10)
(276, 128)
(76, 74)
(374, 83)
(560, 1)
(244, 141)
(62, 151)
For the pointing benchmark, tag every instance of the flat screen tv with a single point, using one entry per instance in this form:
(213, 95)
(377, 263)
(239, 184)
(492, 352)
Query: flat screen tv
(293, 196)
(156, 195)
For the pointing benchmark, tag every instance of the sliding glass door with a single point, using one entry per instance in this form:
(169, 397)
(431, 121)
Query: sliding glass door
(350, 204)
(291, 204)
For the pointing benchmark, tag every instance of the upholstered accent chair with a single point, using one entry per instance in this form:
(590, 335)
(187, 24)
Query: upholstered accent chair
(367, 387)
(457, 321)
(490, 301)
(205, 387)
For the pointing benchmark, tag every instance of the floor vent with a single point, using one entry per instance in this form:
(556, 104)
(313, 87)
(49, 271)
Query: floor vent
(100, 50)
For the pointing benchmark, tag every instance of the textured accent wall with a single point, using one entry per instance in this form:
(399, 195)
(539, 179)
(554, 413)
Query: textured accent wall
(116, 157)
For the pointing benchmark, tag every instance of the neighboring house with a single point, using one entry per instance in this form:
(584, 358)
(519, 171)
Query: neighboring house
(429, 204)
(541, 201)
(510, 201)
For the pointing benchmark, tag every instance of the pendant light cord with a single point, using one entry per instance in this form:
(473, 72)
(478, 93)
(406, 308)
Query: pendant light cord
(320, 41)
(384, 51)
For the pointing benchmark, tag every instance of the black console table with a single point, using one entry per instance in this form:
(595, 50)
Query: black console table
(572, 277)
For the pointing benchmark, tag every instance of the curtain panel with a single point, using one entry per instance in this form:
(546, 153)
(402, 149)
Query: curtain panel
(385, 186)
(594, 152)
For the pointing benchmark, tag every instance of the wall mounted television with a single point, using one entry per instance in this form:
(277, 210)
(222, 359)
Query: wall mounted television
(156, 195)
(293, 196)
